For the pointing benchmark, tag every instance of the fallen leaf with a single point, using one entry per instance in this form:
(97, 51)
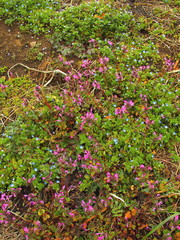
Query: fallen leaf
(128, 215)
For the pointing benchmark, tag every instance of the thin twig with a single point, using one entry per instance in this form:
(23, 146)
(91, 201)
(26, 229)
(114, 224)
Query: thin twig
(6, 117)
(17, 215)
(163, 160)
(50, 79)
(175, 71)
(113, 195)
(36, 70)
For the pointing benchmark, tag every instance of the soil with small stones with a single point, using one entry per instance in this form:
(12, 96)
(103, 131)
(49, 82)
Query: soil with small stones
(18, 47)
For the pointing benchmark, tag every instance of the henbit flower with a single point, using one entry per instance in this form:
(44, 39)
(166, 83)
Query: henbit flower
(151, 184)
(25, 102)
(68, 63)
(4, 197)
(67, 78)
(159, 203)
(176, 218)
(169, 64)
(120, 111)
(110, 43)
(87, 155)
(129, 103)
(92, 40)
(4, 206)
(104, 235)
(124, 109)
(95, 84)
(26, 230)
(124, 48)
(148, 122)
(142, 166)
(71, 214)
(61, 224)
(110, 177)
(135, 73)
(2, 86)
(77, 75)
(119, 76)
(87, 206)
(102, 69)
(60, 58)
(86, 63)
(101, 238)
(38, 223)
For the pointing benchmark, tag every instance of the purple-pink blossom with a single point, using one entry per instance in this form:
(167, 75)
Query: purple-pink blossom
(4, 206)
(88, 206)
(110, 42)
(148, 122)
(26, 230)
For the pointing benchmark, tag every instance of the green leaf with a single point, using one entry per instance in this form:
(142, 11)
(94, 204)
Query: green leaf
(161, 224)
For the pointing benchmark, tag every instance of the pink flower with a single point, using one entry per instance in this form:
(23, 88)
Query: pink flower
(26, 230)
(124, 49)
(38, 223)
(87, 155)
(176, 218)
(86, 63)
(77, 75)
(87, 206)
(142, 166)
(67, 78)
(119, 76)
(71, 214)
(101, 238)
(96, 84)
(159, 137)
(61, 224)
(4, 206)
(148, 122)
(3, 87)
(60, 58)
(92, 40)
(110, 43)
(123, 109)
(130, 103)
(116, 177)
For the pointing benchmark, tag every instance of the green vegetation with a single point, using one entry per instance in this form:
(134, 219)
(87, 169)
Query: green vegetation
(96, 157)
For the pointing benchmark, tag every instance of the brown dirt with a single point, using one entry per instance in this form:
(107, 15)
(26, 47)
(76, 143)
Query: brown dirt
(18, 47)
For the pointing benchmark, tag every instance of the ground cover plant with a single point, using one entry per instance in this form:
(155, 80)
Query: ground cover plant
(95, 156)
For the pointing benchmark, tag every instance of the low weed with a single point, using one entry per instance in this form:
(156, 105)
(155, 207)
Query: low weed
(97, 156)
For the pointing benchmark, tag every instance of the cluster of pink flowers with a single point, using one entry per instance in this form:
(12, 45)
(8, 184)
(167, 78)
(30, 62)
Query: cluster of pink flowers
(37, 92)
(135, 71)
(159, 137)
(58, 150)
(119, 76)
(112, 177)
(88, 118)
(149, 122)
(87, 206)
(86, 63)
(124, 108)
(3, 87)
(101, 236)
(168, 64)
